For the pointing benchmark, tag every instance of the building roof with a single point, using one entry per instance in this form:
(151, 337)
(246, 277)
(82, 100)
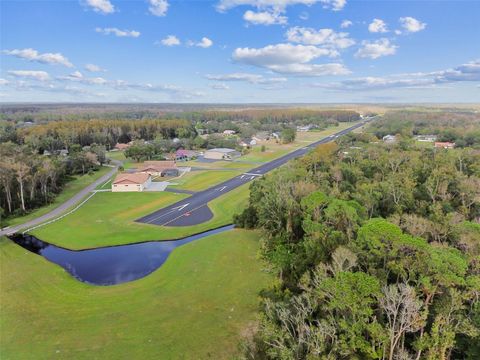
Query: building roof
(121, 146)
(183, 152)
(222, 150)
(157, 165)
(444, 144)
(137, 178)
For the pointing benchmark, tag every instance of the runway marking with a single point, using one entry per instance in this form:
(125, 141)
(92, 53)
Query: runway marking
(178, 217)
(222, 188)
(181, 207)
(252, 174)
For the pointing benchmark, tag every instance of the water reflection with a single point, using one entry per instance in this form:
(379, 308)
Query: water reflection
(109, 265)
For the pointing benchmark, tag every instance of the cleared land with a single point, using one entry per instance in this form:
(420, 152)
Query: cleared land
(196, 306)
(108, 219)
(69, 190)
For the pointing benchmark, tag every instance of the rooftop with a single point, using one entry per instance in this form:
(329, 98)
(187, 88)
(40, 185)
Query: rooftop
(222, 150)
(137, 178)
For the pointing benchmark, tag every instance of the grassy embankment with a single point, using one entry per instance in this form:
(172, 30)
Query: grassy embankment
(71, 188)
(108, 219)
(196, 306)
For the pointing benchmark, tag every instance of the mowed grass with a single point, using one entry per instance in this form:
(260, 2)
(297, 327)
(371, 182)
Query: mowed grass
(71, 188)
(201, 180)
(196, 306)
(108, 219)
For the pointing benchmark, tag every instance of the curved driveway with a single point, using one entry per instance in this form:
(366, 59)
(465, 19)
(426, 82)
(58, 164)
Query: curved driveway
(63, 207)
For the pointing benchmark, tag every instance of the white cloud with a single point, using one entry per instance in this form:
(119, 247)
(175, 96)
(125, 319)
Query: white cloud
(376, 49)
(34, 55)
(311, 69)
(101, 6)
(31, 74)
(326, 37)
(118, 32)
(77, 76)
(411, 24)
(377, 26)
(264, 18)
(204, 43)
(4, 81)
(93, 68)
(158, 7)
(304, 16)
(467, 72)
(247, 77)
(170, 40)
(220, 86)
(346, 24)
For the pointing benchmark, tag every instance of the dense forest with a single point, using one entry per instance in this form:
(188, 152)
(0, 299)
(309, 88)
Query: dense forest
(376, 248)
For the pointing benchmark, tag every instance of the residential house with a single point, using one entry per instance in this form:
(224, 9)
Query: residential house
(261, 136)
(426, 138)
(159, 168)
(304, 128)
(229, 132)
(389, 139)
(121, 147)
(247, 142)
(445, 145)
(221, 154)
(131, 182)
(185, 155)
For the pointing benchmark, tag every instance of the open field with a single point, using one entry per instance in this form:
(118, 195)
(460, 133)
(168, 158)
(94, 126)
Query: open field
(196, 306)
(70, 189)
(108, 219)
(201, 180)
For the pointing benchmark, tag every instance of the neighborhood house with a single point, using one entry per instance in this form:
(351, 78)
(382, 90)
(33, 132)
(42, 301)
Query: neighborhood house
(389, 139)
(131, 182)
(159, 168)
(445, 145)
(221, 154)
(185, 154)
(426, 138)
(229, 132)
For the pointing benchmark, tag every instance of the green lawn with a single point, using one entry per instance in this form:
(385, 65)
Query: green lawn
(201, 180)
(194, 307)
(69, 190)
(108, 219)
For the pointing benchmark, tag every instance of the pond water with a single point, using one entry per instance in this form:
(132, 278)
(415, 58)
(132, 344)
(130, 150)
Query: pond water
(109, 265)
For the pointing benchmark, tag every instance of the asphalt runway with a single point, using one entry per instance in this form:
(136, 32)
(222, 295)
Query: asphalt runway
(194, 210)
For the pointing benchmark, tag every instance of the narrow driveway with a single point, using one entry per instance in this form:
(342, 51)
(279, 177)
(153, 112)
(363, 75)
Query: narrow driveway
(65, 206)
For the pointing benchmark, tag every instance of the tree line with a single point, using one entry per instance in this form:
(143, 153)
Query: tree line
(376, 250)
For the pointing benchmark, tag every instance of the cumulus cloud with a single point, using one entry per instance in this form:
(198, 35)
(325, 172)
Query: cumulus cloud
(377, 26)
(376, 49)
(77, 76)
(101, 6)
(325, 37)
(412, 25)
(158, 7)
(346, 24)
(4, 81)
(170, 40)
(290, 59)
(30, 74)
(264, 18)
(469, 72)
(247, 77)
(204, 43)
(118, 32)
(93, 68)
(34, 55)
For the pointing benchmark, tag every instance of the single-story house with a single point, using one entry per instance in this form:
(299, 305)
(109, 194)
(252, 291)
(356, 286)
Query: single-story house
(261, 136)
(221, 154)
(248, 142)
(121, 147)
(229, 132)
(304, 128)
(389, 138)
(445, 145)
(426, 138)
(159, 168)
(131, 182)
(185, 154)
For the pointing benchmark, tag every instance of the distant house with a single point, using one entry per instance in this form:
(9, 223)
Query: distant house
(121, 147)
(261, 136)
(276, 135)
(248, 142)
(445, 145)
(426, 138)
(304, 128)
(221, 154)
(159, 168)
(131, 182)
(63, 152)
(389, 139)
(229, 132)
(185, 154)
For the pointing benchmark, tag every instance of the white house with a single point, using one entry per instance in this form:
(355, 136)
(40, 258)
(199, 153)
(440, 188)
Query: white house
(389, 139)
(221, 154)
(131, 182)
(229, 132)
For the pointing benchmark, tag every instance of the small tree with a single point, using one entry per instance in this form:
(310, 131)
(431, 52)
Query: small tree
(263, 148)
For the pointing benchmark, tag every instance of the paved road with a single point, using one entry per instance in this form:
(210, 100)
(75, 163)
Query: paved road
(63, 207)
(194, 210)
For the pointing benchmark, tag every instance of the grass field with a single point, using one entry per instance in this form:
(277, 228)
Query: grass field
(108, 219)
(196, 306)
(201, 180)
(69, 190)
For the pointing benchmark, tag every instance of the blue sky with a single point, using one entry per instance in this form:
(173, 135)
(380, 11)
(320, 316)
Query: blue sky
(241, 51)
